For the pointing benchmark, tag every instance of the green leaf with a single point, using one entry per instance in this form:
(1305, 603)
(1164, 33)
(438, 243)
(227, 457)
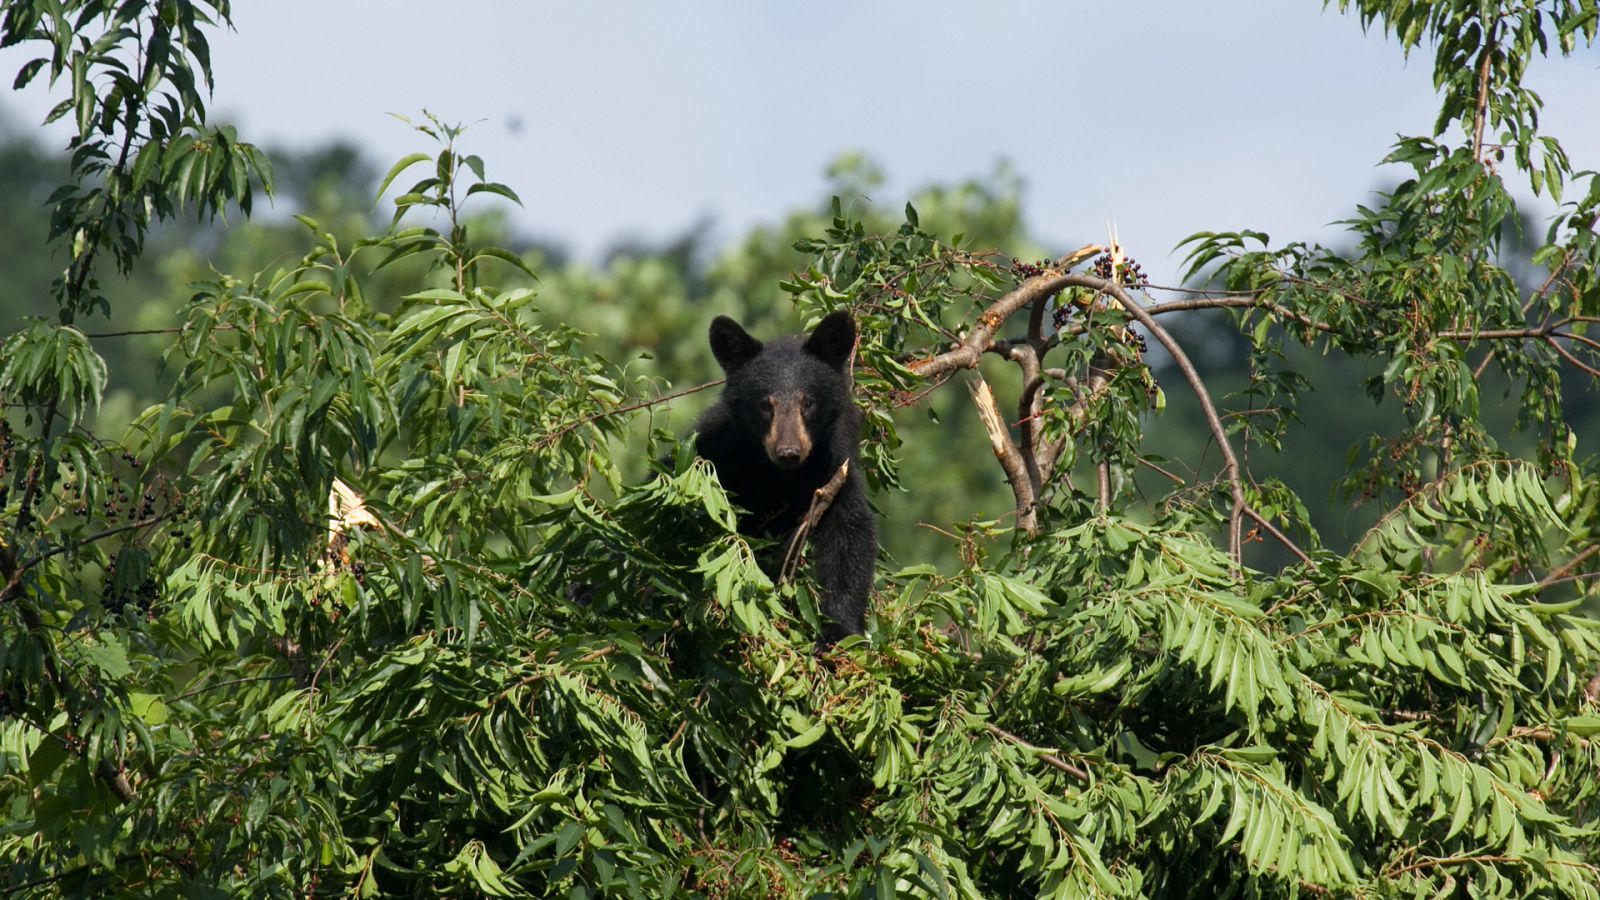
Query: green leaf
(405, 163)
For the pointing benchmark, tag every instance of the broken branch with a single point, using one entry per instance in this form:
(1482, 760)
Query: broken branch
(821, 499)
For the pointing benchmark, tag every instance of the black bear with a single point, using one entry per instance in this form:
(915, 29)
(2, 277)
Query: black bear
(784, 425)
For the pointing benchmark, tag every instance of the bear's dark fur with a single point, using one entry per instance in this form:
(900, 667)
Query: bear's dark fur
(784, 425)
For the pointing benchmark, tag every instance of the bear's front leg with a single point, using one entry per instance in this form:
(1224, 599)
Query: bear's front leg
(844, 548)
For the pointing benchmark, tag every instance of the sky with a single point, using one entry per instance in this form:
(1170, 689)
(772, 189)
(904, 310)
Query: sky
(639, 119)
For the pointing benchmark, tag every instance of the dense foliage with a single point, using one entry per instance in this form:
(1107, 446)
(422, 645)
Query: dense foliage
(412, 594)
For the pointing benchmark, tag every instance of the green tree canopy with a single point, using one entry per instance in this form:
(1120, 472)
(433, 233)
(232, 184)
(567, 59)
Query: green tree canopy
(401, 586)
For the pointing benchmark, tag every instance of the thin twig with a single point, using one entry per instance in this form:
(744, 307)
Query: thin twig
(1481, 113)
(564, 430)
(30, 489)
(1150, 465)
(311, 690)
(1050, 758)
(16, 576)
(1282, 538)
(1253, 300)
(1447, 861)
(919, 396)
(1589, 342)
(821, 499)
(1488, 358)
(229, 683)
(1567, 567)
(1577, 363)
(143, 331)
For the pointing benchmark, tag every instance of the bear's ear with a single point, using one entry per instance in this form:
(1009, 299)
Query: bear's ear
(833, 339)
(731, 344)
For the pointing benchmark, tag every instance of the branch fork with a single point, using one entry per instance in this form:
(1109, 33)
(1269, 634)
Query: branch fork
(1030, 463)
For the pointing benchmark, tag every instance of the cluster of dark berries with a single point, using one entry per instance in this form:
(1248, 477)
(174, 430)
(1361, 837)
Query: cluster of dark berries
(1127, 272)
(1061, 314)
(123, 502)
(1029, 270)
(73, 486)
(142, 599)
(1136, 339)
(30, 509)
(73, 741)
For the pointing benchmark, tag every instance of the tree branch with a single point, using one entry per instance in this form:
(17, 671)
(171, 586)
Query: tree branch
(1566, 354)
(1005, 450)
(1035, 462)
(1050, 758)
(821, 499)
(966, 353)
(1231, 468)
(1028, 409)
(1282, 538)
(1254, 300)
(216, 685)
(114, 778)
(1566, 567)
(568, 428)
(14, 582)
(1485, 59)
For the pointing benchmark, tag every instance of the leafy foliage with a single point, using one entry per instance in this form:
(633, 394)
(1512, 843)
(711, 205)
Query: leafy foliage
(374, 603)
(138, 76)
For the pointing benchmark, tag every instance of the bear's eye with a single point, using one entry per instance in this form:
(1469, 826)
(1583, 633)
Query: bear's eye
(767, 406)
(808, 404)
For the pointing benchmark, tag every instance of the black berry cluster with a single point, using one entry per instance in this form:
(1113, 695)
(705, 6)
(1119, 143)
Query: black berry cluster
(1128, 272)
(74, 488)
(142, 598)
(116, 598)
(1029, 270)
(1137, 340)
(8, 452)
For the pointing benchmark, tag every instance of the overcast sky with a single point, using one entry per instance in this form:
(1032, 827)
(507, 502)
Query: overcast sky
(637, 119)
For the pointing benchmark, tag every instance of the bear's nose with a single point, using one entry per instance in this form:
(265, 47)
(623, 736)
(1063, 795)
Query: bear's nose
(788, 456)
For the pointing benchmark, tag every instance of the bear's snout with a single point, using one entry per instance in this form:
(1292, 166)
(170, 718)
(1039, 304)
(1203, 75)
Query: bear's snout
(788, 440)
(788, 457)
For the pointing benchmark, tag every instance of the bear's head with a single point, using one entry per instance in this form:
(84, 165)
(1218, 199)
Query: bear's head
(786, 394)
